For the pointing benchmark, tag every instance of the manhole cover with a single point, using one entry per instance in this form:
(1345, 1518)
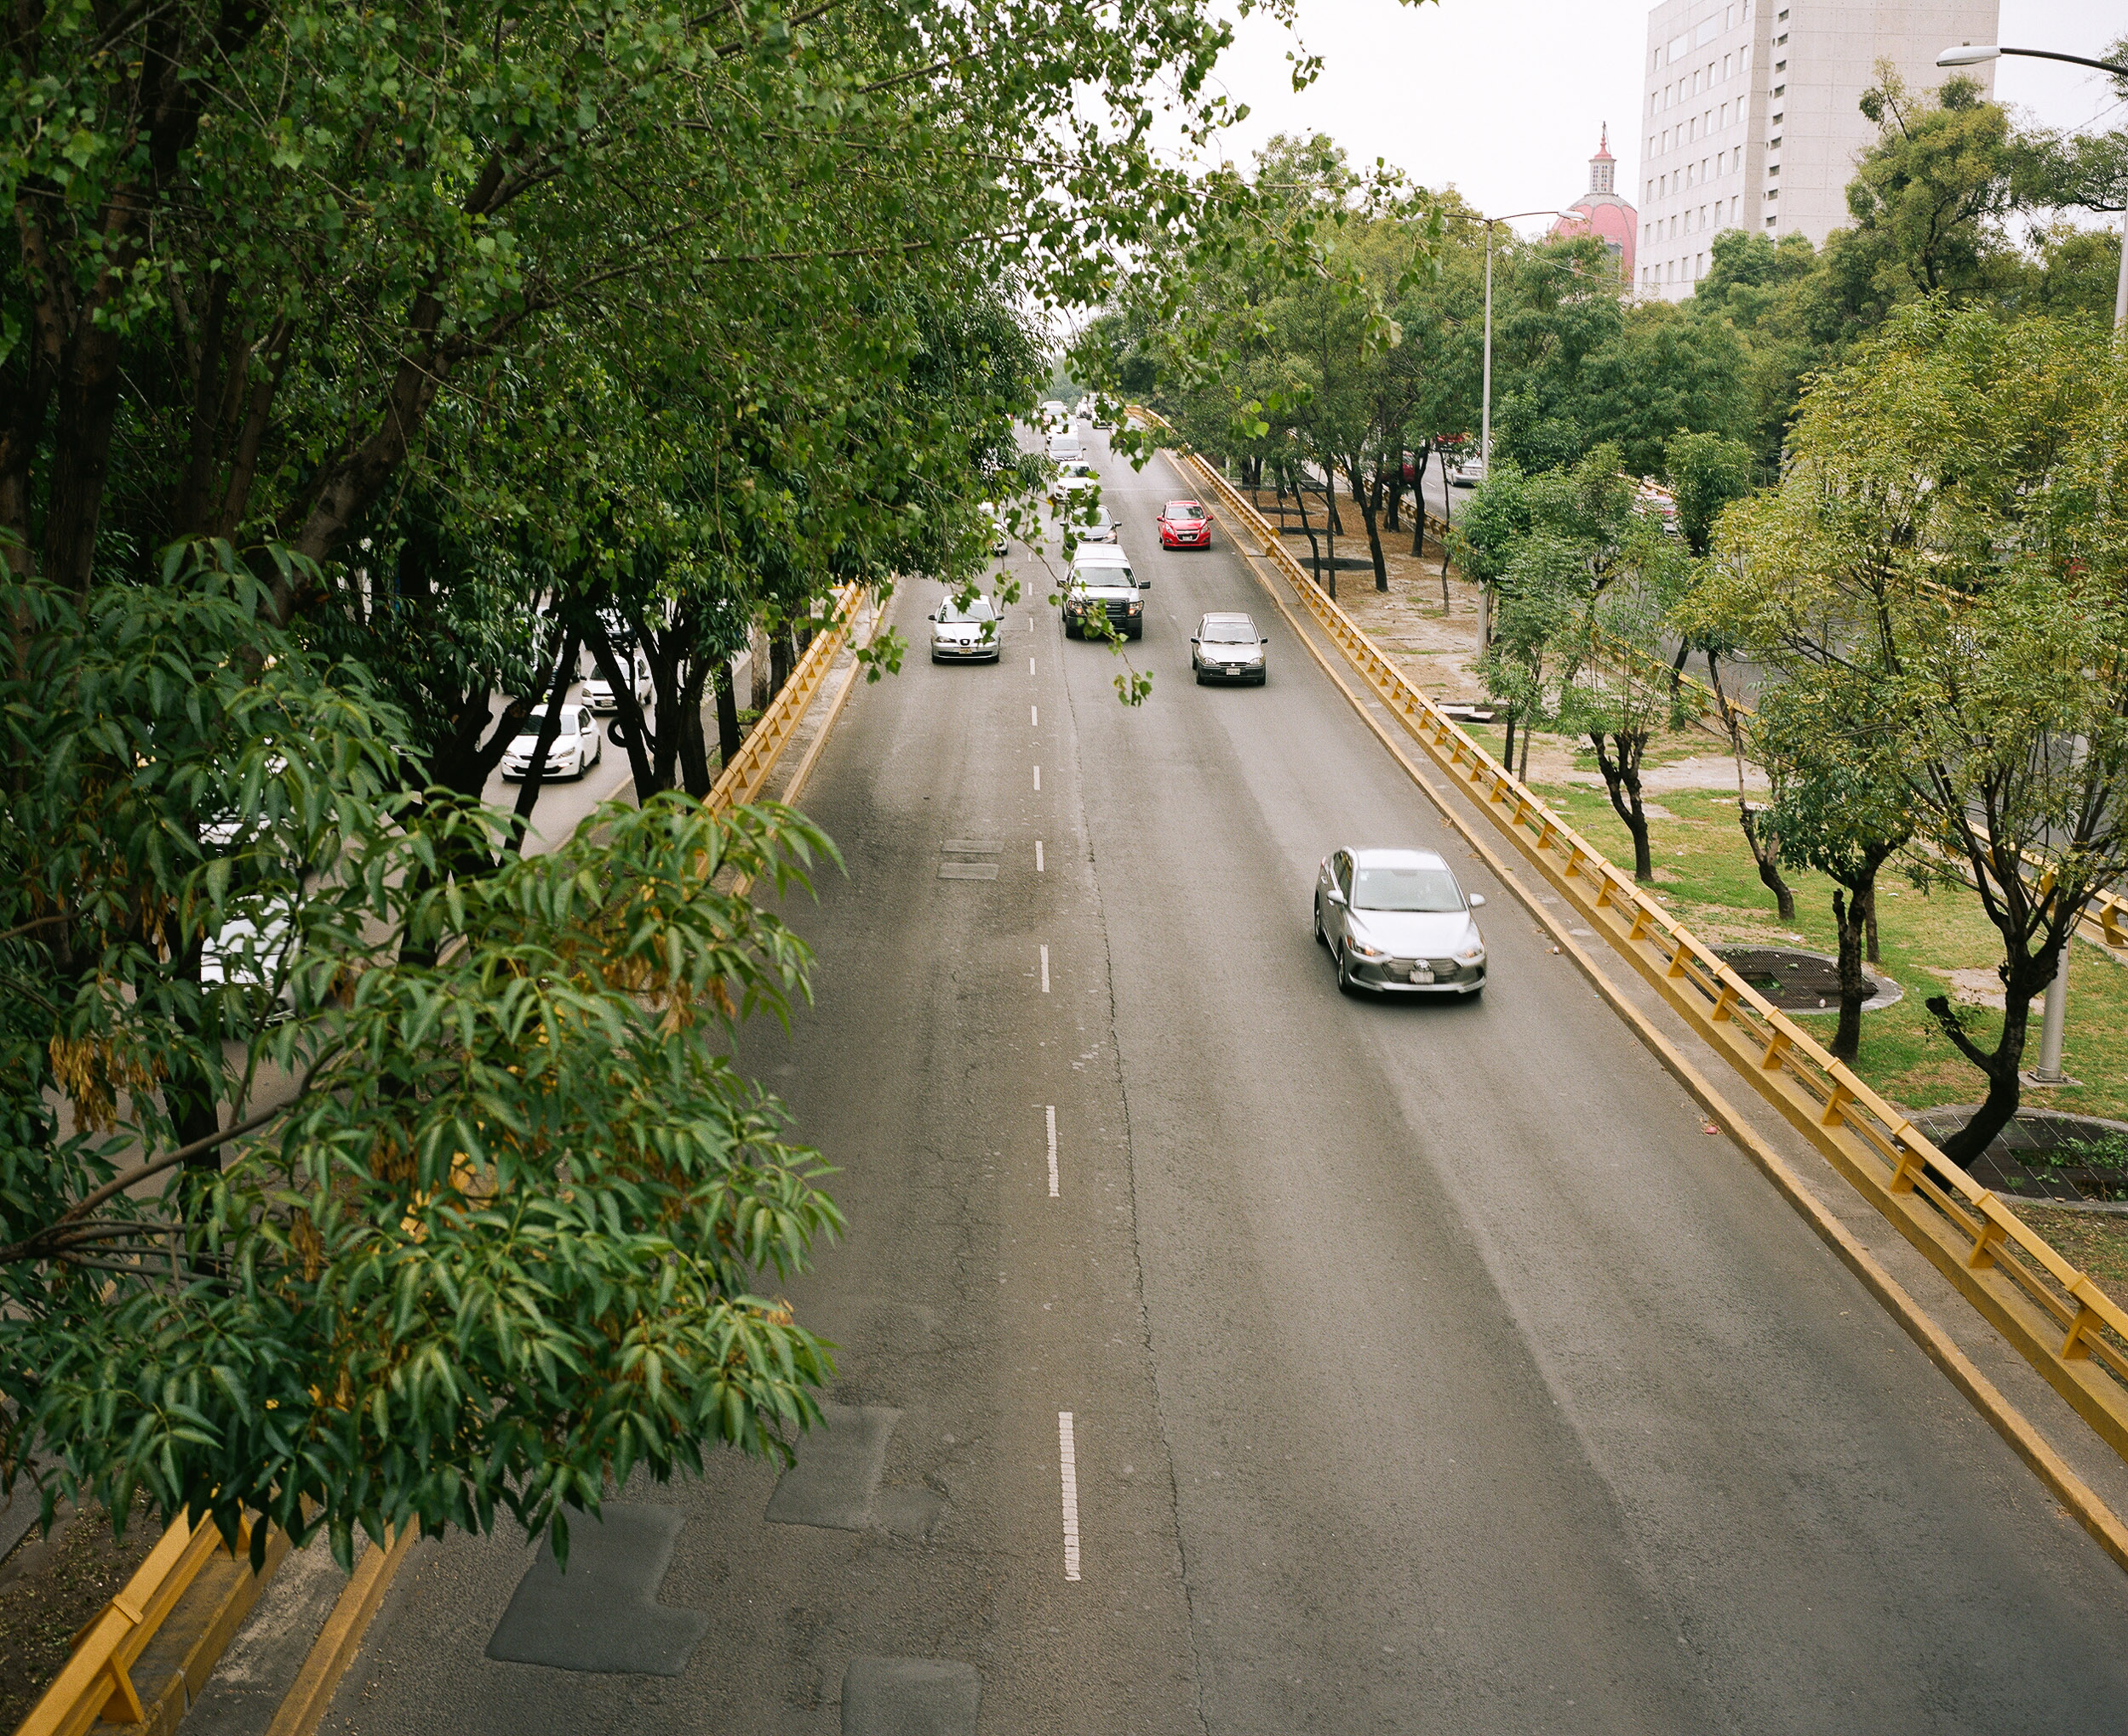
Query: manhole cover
(1801, 982)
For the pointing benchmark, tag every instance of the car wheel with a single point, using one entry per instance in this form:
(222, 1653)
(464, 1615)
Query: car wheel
(1345, 985)
(1321, 939)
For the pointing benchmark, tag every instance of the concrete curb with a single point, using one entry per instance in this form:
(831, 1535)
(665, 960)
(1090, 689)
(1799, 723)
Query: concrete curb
(2076, 1496)
(340, 1639)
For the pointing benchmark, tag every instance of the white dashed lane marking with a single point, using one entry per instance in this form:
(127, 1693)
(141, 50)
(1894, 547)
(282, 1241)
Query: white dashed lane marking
(1051, 1117)
(1067, 1460)
(1045, 970)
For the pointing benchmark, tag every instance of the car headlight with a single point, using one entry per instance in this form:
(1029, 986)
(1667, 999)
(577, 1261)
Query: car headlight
(1361, 949)
(1136, 606)
(1472, 951)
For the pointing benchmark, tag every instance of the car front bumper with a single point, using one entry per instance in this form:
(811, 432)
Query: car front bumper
(1246, 673)
(965, 651)
(1392, 976)
(1186, 539)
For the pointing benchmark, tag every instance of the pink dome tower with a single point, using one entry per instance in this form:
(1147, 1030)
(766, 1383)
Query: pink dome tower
(1601, 213)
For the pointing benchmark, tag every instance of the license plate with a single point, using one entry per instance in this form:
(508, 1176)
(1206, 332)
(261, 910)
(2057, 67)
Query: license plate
(1421, 975)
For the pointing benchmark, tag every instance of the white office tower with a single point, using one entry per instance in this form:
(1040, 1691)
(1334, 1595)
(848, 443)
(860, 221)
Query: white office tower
(1748, 118)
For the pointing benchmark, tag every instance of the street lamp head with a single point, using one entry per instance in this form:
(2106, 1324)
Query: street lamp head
(1969, 54)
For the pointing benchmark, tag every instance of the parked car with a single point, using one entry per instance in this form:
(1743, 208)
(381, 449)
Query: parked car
(1397, 922)
(1467, 473)
(1185, 524)
(578, 745)
(599, 695)
(1227, 647)
(965, 634)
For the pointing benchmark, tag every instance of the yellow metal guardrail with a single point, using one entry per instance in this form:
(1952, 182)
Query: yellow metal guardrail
(743, 778)
(96, 1683)
(2054, 1312)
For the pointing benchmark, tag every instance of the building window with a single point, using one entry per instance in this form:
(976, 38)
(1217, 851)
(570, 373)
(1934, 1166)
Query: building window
(1726, 61)
(1773, 168)
(1732, 208)
(1725, 117)
(1781, 41)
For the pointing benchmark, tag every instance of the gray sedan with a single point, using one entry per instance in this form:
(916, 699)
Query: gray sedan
(1227, 647)
(1396, 922)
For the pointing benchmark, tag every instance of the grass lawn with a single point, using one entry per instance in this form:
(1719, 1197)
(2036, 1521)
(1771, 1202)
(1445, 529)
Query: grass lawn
(1705, 874)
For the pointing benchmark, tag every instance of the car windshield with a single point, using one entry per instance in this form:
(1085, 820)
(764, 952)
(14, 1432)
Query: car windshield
(979, 610)
(538, 715)
(1406, 889)
(1229, 633)
(1185, 509)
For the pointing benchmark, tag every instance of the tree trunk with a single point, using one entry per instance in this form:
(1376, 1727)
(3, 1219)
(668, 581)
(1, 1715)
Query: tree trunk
(1869, 925)
(1368, 515)
(695, 777)
(1420, 461)
(1621, 780)
(1523, 774)
(1308, 530)
(1765, 848)
(1848, 905)
(1507, 754)
(1391, 476)
(1766, 851)
(1448, 519)
(779, 661)
(728, 740)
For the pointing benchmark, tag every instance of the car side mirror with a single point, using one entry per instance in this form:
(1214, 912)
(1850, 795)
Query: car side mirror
(932, 616)
(1335, 896)
(1145, 584)
(1478, 900)
(1195, 640)
(1266, 640)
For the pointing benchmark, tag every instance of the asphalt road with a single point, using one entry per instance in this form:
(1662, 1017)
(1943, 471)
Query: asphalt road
(1429, 1368)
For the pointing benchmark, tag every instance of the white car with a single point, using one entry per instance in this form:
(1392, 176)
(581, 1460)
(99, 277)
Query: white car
(1468, 474)
(1073, 477)
(1397, 922)
(599, 695)
(1065, 447)
(970, 634)
(578, 745)
(994, 511)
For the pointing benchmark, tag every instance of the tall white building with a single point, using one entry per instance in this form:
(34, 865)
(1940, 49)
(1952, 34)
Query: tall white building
(1748, 117)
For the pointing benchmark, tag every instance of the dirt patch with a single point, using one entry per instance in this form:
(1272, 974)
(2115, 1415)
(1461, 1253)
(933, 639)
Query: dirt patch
(49, 1588)
(1978, 987)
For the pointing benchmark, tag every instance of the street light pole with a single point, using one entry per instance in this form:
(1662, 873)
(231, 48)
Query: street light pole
(2055, 1015)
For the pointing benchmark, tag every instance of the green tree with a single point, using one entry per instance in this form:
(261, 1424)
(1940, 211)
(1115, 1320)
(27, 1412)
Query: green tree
(1842, 805)
(1947, 519)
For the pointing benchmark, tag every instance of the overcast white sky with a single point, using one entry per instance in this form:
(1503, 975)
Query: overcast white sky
(1504, 97)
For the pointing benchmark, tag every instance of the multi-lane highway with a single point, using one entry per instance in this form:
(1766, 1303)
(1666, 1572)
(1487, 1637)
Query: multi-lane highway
(1220, 1354)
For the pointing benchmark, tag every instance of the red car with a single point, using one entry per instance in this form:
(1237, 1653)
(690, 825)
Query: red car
(1184, 525)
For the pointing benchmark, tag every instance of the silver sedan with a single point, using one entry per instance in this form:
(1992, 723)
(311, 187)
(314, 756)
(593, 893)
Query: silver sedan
(1227, 647)
(1397, 922)
(965, 635)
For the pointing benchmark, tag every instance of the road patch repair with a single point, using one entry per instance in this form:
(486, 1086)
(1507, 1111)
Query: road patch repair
(602, 1615)
(910, 1697)
(836, 1484)
(969, 847)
